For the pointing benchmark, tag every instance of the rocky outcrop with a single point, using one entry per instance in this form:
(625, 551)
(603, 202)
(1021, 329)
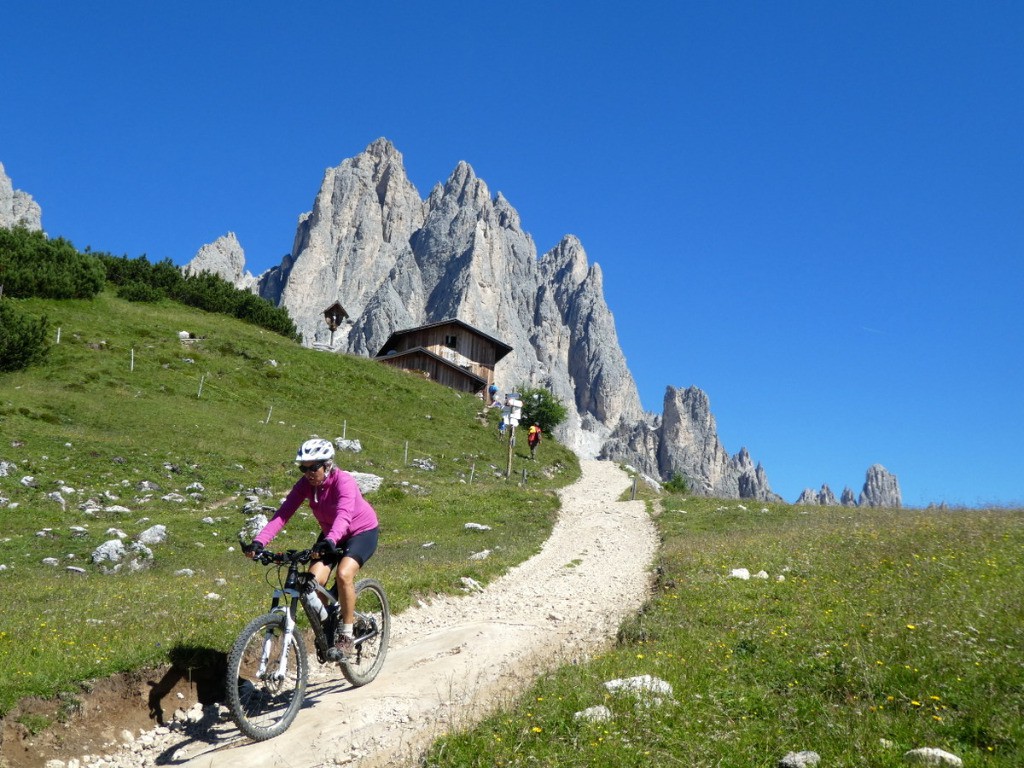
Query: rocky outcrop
(17, 208)
(881, 489)
(823, 498)
(689, 446)
(225, 258)
(683, 442)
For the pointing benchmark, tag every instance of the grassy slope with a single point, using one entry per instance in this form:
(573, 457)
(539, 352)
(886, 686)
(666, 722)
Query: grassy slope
(888, 631)
(86, 425)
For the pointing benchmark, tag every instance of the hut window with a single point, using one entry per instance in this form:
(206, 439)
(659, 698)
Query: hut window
(451, 342)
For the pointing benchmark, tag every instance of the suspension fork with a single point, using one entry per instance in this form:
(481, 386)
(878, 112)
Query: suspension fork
(286, 640)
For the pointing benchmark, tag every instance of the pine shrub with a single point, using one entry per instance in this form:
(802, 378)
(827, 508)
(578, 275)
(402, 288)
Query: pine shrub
(23, 339)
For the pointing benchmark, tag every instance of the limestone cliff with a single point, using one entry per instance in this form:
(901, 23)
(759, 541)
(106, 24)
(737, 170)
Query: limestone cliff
(17, 208)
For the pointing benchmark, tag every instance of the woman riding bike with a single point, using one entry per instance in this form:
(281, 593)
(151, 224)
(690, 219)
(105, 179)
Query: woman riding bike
(348, 526)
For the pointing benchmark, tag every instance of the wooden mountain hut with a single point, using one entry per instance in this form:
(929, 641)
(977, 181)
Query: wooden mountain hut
(450, 352)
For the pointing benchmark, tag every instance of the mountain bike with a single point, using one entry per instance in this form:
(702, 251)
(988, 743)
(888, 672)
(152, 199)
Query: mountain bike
(268, 666)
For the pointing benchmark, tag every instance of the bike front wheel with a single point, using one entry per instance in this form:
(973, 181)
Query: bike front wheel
(266, 677)
(372, 630)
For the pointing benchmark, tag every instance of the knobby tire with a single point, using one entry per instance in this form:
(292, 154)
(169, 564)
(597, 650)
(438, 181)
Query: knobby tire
(372, 630)
(264, 707)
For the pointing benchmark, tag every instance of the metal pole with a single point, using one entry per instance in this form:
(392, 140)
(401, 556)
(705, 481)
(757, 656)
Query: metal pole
(406, 453)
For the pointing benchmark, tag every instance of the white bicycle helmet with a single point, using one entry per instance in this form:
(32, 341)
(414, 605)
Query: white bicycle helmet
(316, 449)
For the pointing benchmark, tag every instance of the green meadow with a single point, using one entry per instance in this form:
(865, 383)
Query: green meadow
(870, 633)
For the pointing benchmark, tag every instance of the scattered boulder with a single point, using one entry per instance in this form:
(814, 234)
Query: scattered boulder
(639, 684)
(154, 535)
(367, 483)
(932, 756)
(252, 526)
(109, 551)
(598, 714)
(803, 759)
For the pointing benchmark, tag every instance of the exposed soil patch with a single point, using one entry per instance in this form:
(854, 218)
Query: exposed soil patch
(92, 722)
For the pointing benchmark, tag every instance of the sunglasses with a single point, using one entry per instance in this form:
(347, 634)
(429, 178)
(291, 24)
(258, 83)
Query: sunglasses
(307, 468)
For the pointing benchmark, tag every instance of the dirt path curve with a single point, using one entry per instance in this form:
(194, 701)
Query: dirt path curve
(452, 661)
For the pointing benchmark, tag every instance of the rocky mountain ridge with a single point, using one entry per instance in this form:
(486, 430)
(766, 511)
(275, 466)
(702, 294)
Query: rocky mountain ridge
(394, 261)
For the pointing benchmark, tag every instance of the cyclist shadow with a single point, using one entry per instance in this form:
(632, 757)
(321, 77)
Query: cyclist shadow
(201, 667)
(214, 730)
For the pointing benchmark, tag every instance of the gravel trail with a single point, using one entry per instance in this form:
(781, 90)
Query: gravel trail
(454, 660)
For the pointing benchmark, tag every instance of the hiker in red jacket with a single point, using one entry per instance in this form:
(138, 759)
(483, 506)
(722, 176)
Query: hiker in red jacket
(533, 440)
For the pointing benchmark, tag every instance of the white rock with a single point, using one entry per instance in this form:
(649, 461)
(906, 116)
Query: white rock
(112, 550)
(800, 759)
(740, 573)
(594, 714)
(476, 527)
(639, 684)
(932, 756)
(154, 535)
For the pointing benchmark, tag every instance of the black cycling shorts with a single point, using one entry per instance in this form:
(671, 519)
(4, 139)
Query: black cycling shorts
(359, 547)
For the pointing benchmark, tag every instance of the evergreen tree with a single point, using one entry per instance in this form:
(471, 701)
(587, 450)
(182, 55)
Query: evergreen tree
(542, 408)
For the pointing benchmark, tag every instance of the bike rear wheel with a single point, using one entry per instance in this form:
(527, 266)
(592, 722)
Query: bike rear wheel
(372, 630)
(266, 682)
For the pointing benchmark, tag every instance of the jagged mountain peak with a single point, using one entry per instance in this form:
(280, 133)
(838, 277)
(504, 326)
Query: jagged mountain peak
(567, 262)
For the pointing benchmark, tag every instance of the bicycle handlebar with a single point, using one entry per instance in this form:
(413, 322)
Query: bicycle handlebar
(266, 557)
(287, 557)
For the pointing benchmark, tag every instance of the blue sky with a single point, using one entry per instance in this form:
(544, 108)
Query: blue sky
(812, 211)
